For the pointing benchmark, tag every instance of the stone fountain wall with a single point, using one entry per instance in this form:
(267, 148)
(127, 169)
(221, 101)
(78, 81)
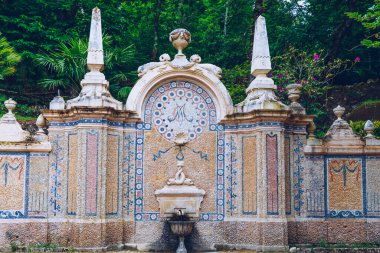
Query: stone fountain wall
(90, 183)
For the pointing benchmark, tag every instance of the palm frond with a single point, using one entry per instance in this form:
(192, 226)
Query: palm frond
(53, 83)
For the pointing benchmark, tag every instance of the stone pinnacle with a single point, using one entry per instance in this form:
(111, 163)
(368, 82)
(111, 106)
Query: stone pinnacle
(95, 61)
(261, 63)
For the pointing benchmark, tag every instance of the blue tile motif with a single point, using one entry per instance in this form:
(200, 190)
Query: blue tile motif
(56, 156)
(23, 212)
(128, 176)
(231, 171)
(298, 174)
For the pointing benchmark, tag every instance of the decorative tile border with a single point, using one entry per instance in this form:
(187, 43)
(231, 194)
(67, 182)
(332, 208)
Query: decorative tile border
(298, 176)
(39, 154)
(346, 213)
(128, 173)
(294, 129)
(93, 122)
(56, 170)
(253, 125)
(231, 171)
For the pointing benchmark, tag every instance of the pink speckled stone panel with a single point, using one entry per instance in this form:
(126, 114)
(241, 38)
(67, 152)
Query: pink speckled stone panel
(91, 173)
(272, 175)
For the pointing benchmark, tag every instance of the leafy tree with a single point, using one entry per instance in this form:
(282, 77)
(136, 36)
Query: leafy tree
(221, 34)
(8, 58)
(314, 72)
(68, 62)
(371, 21)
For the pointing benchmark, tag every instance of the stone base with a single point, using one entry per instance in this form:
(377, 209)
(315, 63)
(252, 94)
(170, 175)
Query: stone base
(206, 236)
(334, 231)
(212, 236)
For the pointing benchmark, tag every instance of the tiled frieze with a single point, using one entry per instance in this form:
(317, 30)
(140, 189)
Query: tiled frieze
(57, 170)
(344, 186)
(298, 173)
(14, 180)
(341, 186)
(129, 173)
(90, 122)
(232, 170)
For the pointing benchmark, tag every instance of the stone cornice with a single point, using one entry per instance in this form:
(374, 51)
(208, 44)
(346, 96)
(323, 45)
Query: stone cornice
(257, 116)
(77, 113)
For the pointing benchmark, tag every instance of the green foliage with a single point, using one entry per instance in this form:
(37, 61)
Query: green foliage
(315, 73)
(2, 106)
(322, 243)
(236, 80)
(369, 103)
(358, 128)
(371, 21)
(45, 246)
(8, 58)
(22, 111)
(311, 69)
(325, 245)
(68, 63)
(14, 247)
(53, 34)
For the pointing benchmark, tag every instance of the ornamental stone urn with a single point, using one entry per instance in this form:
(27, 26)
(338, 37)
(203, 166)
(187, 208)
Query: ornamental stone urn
(294, 91)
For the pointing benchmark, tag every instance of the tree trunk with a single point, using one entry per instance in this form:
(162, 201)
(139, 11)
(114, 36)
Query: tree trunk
(156, 20)
(341, 31)
(225, 20)
(258, 9)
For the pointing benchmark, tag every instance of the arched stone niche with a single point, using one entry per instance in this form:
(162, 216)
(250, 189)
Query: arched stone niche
(208, 81)
(180, 102)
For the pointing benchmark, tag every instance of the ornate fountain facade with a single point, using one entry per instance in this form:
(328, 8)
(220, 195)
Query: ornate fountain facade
(253, 174)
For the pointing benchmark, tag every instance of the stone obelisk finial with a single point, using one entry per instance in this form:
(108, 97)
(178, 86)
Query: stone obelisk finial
(95, 58)
(95, 91)
(261, 63)
(260, 92)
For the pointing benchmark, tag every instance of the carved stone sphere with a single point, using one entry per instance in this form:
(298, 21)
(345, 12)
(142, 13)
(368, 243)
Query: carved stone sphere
(164, 58)
(195, 58)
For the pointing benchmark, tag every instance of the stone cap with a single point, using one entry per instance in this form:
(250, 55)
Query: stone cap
(10, 129)
(95, 87)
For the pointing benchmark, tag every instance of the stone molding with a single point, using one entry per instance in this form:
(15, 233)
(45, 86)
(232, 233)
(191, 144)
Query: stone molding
(157, 76)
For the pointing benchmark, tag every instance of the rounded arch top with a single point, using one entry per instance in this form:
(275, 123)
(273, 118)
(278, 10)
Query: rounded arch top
(152, 80)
